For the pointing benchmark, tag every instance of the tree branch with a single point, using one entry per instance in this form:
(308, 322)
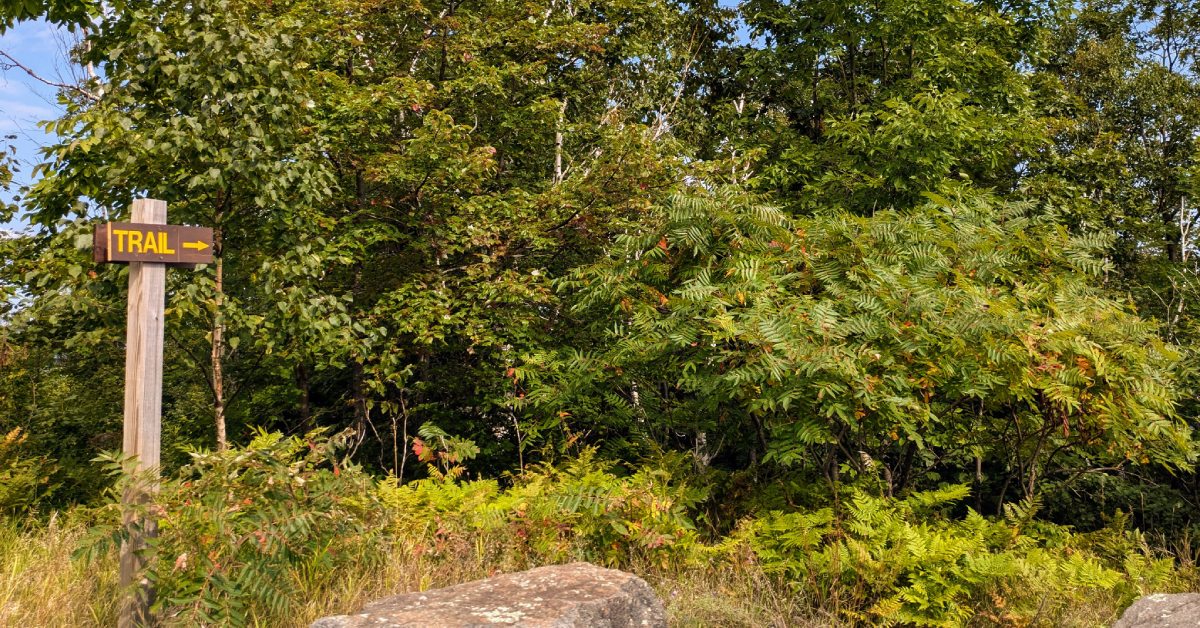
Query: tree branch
(10, 62)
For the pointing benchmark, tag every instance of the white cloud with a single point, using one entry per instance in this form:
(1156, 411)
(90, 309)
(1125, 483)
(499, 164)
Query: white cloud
(26, 110)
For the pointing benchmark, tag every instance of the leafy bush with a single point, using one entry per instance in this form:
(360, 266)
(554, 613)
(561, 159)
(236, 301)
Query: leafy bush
(24, 478)
(582, 510)
(965, 333)
(888, 561)
(254, 534)
(241, 531)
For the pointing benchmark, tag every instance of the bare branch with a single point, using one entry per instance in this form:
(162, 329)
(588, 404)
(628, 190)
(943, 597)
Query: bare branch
(9, 62)
(662, 124)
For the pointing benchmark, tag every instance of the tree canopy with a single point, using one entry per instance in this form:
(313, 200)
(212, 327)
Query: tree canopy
(812, 246)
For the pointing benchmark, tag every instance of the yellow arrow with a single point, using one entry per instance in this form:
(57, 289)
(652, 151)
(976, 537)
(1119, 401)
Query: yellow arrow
(196, 246)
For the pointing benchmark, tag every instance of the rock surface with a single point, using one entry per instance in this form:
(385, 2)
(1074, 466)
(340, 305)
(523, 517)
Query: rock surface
(1162, 610)
(577, 595)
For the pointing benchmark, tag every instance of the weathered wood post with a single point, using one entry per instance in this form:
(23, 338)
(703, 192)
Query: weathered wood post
(149, 245)
(143, 413)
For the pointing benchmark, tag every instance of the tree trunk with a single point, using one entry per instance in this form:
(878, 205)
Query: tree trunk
(358, 385)
(360, 399)
(906, 464)
(218, 341)
(305, 405)
(558, 143)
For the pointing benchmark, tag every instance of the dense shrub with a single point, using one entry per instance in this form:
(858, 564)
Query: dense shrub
(251, 534)
(907, 347)
(25, 477)
(581, 510)
(240, 532)
(904, 561)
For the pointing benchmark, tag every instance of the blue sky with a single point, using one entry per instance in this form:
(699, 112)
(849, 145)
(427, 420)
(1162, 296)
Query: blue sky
(24, 101)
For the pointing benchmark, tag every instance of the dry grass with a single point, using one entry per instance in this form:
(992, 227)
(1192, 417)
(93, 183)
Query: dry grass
(693, 597)
(40, 585)
(729, 597)
(352, 588)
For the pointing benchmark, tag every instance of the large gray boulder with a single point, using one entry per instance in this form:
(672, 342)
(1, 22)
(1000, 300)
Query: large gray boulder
(561, 596)
(1162, 610)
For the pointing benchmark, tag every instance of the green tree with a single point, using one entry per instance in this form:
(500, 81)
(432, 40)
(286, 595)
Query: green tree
(1119, 91)
(964, 341)
(485, 150)
(203, 105)
(865, 105)
(71, 12)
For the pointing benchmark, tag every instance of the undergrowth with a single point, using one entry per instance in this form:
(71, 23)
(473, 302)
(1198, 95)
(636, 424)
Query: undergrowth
(281, 532)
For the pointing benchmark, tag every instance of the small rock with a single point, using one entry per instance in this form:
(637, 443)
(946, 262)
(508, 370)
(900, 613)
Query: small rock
(1163, 610)
(577, 595)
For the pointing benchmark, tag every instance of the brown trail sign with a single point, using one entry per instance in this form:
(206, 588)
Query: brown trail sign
(149, 245)
(175, 245)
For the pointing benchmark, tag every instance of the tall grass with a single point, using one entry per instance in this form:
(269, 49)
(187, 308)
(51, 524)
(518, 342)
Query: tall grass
(40, 583)
(277, 534)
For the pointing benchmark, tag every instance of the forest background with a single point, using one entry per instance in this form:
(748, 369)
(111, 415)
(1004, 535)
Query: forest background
(824, 311)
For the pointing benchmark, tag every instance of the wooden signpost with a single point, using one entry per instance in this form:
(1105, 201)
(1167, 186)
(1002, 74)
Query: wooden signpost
(173, 245)
(148, 245)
